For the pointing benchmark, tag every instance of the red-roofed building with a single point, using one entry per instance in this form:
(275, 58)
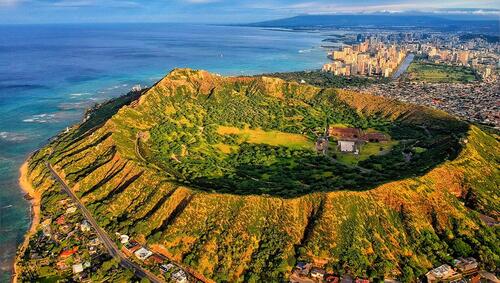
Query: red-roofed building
(361, 280)
(60, 220)
(332, 279)
(345, 133)
(156, 259)
(68, 253)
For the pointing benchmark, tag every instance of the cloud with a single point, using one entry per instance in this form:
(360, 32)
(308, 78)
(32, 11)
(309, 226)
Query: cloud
(7, 3)
(88, 3)
(201, 1)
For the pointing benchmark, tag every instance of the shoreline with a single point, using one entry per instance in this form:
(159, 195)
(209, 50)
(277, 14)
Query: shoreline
(34, 198)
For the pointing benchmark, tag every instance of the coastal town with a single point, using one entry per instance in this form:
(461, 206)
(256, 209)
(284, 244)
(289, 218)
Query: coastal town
(381, 54)
(461, 270)
(475, 102)
(456, 73)
(67, 244)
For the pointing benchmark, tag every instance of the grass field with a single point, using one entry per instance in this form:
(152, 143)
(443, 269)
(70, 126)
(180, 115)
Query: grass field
(367, 150)
(435, 73)
(274, 138)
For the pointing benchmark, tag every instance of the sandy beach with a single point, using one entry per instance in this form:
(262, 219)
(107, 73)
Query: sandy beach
(34, 198)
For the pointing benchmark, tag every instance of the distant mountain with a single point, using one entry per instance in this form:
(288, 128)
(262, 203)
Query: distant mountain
(380, 21)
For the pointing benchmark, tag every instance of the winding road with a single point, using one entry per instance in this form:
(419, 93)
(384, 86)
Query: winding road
(103, 236)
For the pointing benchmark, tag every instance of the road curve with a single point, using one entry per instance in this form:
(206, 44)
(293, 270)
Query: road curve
(103, 236)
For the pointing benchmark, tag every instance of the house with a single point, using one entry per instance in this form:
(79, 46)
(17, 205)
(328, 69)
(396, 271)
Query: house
(143, 253)
(443, 272)
(322, 145)
(61, 265)
(68, 253)
(332, 279)
(303, 268)
(318, 273)
(361, 280)
(166, 267)
(77, 268)
(85, 226)
(46, 230)
(71, 209)
(466, 265)
(180, 276)
(94, 242)
(348, 146)
(130, 247)
(345, 133)
(484, 276)
(60, 220)
(155, 259)
(124, 239)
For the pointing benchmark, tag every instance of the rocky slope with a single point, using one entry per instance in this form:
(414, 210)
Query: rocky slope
(398, 229)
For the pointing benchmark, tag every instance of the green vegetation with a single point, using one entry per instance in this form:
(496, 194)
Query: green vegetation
(222, 174)
(367, 150)
(325, 79)
(440, 73)
(242, 140)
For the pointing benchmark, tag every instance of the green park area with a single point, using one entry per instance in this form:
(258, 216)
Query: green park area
(366, 151)
(273, 138)
(440, 73)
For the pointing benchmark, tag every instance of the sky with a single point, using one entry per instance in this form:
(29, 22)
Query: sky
(222, 11)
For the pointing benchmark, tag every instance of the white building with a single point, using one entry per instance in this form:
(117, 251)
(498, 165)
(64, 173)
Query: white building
(347, 146)
(143, 253)
(180, 276)
(443, 272)
(124, 239)
(77, 268)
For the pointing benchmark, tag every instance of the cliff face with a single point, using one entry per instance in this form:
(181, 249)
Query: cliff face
(396, 228)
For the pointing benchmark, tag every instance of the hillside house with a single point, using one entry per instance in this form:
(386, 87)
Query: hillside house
(318, 273)
(77, 268)
(348, 146)
(180, 276)
(155, 259)
(441, 273)
(303, 268)
(166, 267)
(345, 133)
(124, 239)
(332, 279)
(322, 145)
(131, 247)
(466, 265)
(143, 253)
(67, 253)
(85, 226)
(484, 276)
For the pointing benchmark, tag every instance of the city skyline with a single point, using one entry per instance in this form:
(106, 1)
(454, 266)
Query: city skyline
(220, 11)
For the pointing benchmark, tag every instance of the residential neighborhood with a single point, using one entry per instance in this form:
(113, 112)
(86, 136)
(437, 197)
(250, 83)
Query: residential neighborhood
(461, 270)
(475, 102)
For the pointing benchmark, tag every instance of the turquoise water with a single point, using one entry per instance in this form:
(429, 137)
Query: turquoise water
(49, 74)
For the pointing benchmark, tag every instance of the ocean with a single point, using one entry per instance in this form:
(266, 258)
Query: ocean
(49, 75)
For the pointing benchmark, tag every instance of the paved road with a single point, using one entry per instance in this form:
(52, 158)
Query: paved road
(103, 236)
